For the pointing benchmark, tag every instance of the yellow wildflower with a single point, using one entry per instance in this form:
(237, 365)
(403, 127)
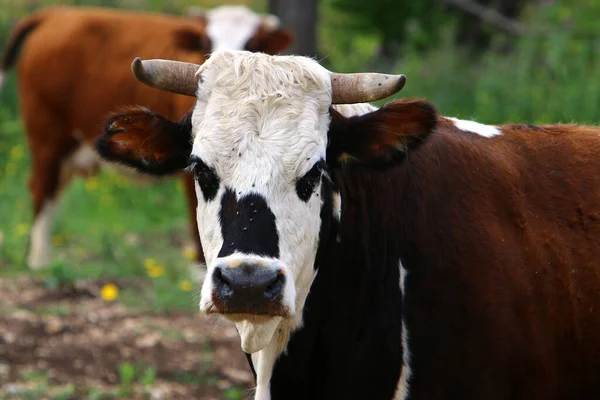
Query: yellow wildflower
(150, 263)
(189, 253)
(109, 292)
(16, 153)
(156, 271)
(185, 285)
(91, 184)
(22, 229)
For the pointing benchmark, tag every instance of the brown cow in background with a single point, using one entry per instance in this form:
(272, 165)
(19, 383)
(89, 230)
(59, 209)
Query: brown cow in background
(74, 68)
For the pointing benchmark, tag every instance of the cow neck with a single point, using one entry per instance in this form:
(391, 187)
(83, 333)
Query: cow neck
(352, 316)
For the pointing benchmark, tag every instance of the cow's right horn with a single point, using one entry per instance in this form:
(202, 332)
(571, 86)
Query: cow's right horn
(364, 87)
(171, 76)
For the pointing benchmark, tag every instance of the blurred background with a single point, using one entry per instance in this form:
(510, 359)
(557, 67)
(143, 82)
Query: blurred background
(115, 315)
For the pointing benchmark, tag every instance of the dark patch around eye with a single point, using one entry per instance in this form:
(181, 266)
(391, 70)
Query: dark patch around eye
(305, 186)
(207, 179)
(248, 226)
(329, 225)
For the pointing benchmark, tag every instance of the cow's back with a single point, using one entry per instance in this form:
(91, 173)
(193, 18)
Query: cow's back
(76, 64)
(504, 265)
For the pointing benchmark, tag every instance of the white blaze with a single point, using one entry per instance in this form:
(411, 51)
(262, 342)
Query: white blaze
(487, 131)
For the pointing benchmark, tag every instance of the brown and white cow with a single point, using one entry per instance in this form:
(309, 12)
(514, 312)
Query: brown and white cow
(66, 86)
(397, 254)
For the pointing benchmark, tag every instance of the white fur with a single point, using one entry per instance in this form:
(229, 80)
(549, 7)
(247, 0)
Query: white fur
(337, 206)
(487, 131)
(350, 110)
(2, 78)
(403, 388)
(40, 250)
(230, 27)
(263, 362)
(85, 158)
(261, 122)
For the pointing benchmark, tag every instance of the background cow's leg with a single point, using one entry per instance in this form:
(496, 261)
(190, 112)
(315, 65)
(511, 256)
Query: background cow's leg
(50, 148)
(190, 194)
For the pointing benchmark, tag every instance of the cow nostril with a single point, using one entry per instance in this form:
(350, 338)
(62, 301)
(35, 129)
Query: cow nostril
(275, 288)
(222, 282)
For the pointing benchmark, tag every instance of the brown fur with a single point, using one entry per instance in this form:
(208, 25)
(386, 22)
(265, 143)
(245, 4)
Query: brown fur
(135, 138)
(500, 238)
(373, 141)
(74, 69)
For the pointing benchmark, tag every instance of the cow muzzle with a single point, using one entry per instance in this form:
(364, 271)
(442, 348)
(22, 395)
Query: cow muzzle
(248, 288)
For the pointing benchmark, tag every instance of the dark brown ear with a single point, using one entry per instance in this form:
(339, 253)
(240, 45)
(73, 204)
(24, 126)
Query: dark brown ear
(381, 137)
(277, 41)
(146, 141)
(192, 39)
(270, 42)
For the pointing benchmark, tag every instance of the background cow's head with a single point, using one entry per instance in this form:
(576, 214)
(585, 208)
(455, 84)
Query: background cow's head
(261, 141)
(234, 27)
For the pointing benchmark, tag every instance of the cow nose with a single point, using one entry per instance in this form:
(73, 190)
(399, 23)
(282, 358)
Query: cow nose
(247, 288)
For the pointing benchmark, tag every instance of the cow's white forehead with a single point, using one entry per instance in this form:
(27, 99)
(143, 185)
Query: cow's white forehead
(257, 112)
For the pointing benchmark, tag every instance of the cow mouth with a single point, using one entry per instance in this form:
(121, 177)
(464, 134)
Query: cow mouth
(248, 312)
(247, 307)
(256, 330)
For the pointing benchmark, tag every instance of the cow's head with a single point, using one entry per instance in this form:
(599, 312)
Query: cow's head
(233, 28)
(261, 141)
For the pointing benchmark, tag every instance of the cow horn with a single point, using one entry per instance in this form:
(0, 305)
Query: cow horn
(364, 87)
(172, 76)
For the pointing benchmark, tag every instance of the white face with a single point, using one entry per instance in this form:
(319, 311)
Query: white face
(231, 27)
(260, 134)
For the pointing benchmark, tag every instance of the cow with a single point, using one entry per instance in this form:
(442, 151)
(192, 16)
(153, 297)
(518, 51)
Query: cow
(64, 103)
(397, 254)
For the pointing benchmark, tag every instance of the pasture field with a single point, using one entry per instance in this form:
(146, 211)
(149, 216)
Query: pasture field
(115, 316)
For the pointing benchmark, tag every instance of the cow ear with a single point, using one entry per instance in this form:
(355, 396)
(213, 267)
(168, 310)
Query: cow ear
(146, 141)
(192, 39)
(383, 137)
(276, 41)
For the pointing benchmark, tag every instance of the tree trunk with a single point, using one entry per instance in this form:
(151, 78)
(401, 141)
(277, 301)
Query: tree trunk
(300, 16)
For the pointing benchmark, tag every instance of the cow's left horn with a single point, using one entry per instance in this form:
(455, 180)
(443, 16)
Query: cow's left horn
(364, 87)
(172, 76)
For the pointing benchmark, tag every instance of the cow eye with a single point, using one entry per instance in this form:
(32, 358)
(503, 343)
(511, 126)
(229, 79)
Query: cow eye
(207, 179)
(306, 184)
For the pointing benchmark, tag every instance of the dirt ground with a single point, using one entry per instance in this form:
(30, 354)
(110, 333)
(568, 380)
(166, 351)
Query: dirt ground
(71, 341)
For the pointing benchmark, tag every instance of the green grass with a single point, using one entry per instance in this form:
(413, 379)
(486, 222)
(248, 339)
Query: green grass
(105, 228)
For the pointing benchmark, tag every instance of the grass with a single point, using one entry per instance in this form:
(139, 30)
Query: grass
(106, 227)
